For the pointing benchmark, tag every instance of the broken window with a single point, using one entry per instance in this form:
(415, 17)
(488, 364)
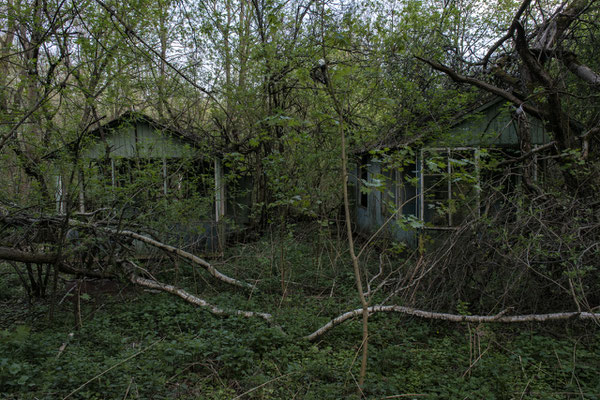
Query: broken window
(449, 186)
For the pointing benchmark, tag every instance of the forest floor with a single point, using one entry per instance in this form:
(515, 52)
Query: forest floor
(138, 344)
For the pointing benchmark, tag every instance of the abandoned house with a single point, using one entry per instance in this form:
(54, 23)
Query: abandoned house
(436, 187)
(135, 163)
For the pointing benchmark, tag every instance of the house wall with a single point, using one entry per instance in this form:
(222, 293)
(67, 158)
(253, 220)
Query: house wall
(492, 125)
(239, 200)
(139, 139)
(369, 219)
(489, 126)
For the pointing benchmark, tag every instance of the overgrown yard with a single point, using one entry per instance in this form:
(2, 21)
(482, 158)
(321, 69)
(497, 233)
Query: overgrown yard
(277, 199)
(137, 344)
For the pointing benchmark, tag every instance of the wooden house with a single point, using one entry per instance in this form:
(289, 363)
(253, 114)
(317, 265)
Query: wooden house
(437, 186)
(148, 169)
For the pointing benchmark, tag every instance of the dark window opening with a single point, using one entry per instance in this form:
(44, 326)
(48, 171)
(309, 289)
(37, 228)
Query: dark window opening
(409, 190)
(364, 176)
(389, 198)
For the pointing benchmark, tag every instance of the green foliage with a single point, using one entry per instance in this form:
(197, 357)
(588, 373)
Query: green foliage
(187, 353)
(245, 80)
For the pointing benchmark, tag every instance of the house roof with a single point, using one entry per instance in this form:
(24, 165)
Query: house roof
(485, 121)
(135, 116)
(106, 130)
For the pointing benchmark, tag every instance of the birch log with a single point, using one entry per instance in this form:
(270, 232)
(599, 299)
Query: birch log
(190, 298)
(181, 253)
(501, 317)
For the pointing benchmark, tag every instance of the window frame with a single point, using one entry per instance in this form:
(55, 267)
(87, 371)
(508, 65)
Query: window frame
(363, 176)
(447, 151)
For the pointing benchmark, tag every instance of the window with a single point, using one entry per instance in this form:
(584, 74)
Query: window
(390, 194)
(449, 186)
(408, 197)
(363, 178)
(400, 192)
(185, 178)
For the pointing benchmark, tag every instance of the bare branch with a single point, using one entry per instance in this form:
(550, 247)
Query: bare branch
(181, 253)
(20, 221)
(9, 254)
(152, 284)
(527, 155)
(509, 34)
(533, 64)
(583, 72)
(499, 318)
(554, 29)
(132, 34)
(455, 76)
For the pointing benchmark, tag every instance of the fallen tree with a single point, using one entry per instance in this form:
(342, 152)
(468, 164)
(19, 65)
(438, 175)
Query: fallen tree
(190, 298)
(55, 222)
(65, 265)
(11, 254)
(498, 318)
(183, 254)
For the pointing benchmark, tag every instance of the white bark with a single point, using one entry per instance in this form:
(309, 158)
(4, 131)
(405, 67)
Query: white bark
(454, 317)
(174, 250)
(584, 72)
(190, 298)
(185, 255)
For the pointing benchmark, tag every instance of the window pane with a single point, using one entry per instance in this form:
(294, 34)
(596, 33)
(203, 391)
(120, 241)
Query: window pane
(388, 197)
(463, 201)
(364, 176)
(436, 199)
(409, 190)
(450, 186)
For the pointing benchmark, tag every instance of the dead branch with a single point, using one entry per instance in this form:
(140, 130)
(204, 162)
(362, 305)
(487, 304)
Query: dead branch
(15, 255)
(152, 284)
(456, 77)
(498, 318)
(526, 155)
(554, 29)
(7, 253)
(10, 254)
(509, 34)
(181, 253)
(581, 71)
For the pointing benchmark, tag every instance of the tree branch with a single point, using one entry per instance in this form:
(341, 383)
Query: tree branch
(583, 72)
(10, 254)
(152, 284)
(499, 318)
(455, 76)
(131, 33)
(532, 64)
(553, 30)
(508, 35)
(181, 253)
(526, 155)
(20, 221)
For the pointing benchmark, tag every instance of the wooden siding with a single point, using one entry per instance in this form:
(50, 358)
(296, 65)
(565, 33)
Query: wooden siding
(492, 125)
(139, 139)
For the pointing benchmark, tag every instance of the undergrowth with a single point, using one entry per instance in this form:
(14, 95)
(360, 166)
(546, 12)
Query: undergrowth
(145, 345)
